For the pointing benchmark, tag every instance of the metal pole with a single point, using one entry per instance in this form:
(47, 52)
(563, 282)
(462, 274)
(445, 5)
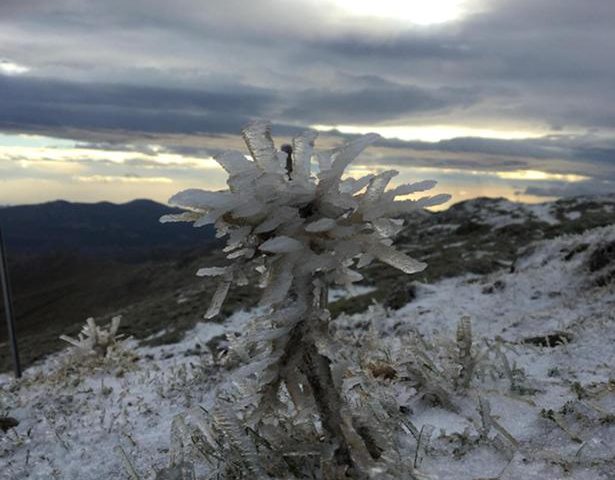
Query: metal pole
(8, 305)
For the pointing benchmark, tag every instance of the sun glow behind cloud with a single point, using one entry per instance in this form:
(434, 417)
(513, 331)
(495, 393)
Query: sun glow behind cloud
(432, 133)
(11, 68)
(524, 175)
(541, 176)
(417, 12)
(120, 179)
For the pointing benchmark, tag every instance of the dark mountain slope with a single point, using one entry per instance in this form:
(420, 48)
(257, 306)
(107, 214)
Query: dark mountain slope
(69, 261)
(100, 229)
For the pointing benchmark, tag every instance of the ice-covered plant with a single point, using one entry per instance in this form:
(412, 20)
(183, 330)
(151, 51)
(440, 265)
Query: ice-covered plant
(301, 232)
(95, 339)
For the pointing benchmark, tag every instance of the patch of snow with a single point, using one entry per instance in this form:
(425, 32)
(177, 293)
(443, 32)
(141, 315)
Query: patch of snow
(70, 420)
(353, 291)
(499, 213)
(543, 212)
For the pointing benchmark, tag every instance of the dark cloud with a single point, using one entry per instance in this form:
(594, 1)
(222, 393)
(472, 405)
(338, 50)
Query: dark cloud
(33, 102)
(564, 189)
(525, 147)
(484, 164)
(584, 149)
(402, 48)
(38, 102)
(375, 104)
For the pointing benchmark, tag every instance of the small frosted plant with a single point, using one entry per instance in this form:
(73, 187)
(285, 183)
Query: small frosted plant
(301, 232)
(94, 339)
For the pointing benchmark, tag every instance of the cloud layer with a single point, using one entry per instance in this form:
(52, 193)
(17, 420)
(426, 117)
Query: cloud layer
(545, 62)
(153, 72)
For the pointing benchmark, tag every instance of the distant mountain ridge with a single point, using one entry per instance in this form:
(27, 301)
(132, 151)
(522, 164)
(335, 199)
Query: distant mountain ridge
(107, 229)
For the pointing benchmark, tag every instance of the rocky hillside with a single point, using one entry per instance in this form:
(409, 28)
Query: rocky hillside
(478, 236)
(160, 292)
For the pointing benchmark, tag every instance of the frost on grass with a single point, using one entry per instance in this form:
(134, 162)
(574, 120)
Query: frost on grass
(96, 348)
(302, 233)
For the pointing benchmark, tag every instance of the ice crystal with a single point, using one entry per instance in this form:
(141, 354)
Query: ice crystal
(94, 339)
(317, 224)
(300, 231)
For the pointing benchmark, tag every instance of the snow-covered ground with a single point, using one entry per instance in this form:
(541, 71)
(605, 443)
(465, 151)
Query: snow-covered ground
(543, 335)
(550, 291)
(501, 212)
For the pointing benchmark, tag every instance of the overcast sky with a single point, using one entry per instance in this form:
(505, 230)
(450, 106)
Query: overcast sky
(121, 99)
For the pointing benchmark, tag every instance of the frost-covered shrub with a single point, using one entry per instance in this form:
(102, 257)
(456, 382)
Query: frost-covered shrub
(96, 340)
(301, 232)
(96, 348)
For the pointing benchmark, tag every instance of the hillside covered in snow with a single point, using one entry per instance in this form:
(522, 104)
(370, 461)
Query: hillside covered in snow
(501, 371)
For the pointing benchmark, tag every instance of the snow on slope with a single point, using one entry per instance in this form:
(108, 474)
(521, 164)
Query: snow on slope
(499, 212)
(72, 416)
(551, 290)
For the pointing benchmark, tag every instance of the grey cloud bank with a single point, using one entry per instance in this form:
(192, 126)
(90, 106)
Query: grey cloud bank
(155, 68)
